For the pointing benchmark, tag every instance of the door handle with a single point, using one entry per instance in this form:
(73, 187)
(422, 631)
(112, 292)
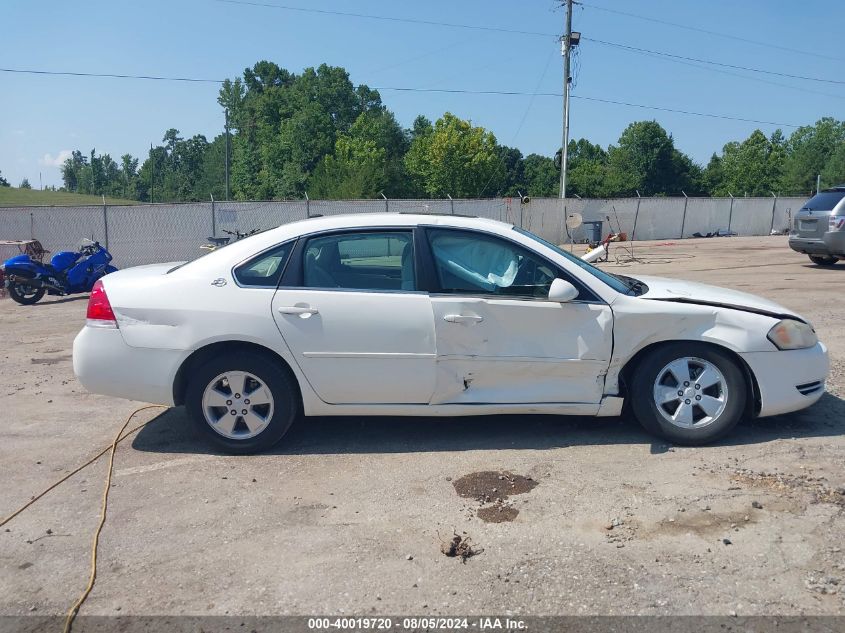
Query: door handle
(297, 310)
(463, 318)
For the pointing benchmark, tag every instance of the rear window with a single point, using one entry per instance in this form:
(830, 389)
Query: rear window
(264, 270)
(824, 201)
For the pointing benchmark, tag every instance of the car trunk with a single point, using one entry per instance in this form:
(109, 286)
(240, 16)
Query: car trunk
(811, 222)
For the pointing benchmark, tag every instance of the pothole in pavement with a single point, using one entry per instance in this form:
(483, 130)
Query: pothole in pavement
(494, 488)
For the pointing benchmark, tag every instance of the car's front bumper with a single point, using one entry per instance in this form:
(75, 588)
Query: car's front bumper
(789, 380)
(105, 364)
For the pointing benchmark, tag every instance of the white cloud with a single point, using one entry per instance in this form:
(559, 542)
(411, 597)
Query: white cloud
(61, 157)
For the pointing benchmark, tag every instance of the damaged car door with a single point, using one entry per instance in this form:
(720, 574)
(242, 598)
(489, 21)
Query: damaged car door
(499, 337)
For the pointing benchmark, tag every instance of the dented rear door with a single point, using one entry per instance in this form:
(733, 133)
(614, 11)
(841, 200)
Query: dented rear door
(514, 350)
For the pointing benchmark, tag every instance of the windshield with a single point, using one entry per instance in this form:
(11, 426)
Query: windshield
(824, 201)
(620, 283)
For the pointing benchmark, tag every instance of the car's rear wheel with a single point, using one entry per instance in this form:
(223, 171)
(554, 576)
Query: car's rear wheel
(823, 260)
(689, 393)
(242, 403)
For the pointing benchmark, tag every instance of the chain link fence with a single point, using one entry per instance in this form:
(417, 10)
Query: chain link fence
(150, 233)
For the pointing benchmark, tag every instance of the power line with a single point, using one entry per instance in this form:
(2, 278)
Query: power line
(709, 32)
(586, 98)
(748, 77)
(690, 112)
(411, 89)
(647, 51)
(542, 34)
(386, 18)
(108, 75)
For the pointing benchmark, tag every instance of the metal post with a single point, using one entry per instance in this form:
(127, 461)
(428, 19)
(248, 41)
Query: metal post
(731, 212)
(451, 203)
(634, 230)
(386, 209)
(227, 154)
(152, 175)
(566, 49)
(105, 224)
(684, 219)
(213, 217)
(818, 183)
(307, 205)
(774, 207)
(31, 226)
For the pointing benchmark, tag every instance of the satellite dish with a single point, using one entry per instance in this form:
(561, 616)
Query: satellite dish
(574, 220)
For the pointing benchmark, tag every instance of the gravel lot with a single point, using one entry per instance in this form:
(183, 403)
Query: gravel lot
(348, 516)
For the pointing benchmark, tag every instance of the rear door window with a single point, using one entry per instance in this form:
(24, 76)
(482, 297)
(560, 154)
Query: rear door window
(371, 260)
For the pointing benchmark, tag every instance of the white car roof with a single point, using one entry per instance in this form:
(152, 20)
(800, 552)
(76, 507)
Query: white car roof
(243, 249)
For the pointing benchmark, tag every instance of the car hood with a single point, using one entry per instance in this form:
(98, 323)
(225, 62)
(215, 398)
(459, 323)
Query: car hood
(663, 289)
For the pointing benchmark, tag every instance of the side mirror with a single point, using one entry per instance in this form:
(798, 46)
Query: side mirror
(562, 291)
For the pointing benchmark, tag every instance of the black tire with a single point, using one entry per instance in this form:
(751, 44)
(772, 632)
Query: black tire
(287, 402)
(19, 293)
(823, 260)
(646, 409)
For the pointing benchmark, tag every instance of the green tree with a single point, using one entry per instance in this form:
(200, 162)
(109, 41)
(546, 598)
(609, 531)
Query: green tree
(356, 170)
(752, 167)
(646, 160)
(808, 150)
(129, 176)
(367, 161)
(834, 171)
(455, 158)
(542, 178)
(25, 184)
(71, 170)
(212, 181)
(285, 124)
(3, 181)
(587, 168)
(513, 180)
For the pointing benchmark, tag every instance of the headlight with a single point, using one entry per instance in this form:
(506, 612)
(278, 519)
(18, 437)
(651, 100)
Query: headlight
(792, 334)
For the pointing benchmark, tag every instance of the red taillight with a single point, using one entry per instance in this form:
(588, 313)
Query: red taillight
(100, 313)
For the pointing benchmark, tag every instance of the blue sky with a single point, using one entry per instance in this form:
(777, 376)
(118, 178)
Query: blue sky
(42, 117)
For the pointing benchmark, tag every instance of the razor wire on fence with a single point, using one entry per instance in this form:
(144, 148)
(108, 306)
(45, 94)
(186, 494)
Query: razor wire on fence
(150, 233)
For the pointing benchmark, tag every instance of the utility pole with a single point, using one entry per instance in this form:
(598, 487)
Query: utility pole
(227, 154)
(566, 50)
(152, 175)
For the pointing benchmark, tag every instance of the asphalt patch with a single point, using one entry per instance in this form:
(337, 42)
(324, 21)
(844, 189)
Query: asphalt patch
(494, 487)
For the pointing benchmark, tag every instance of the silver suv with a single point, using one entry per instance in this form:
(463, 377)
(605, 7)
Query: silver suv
(818, 229)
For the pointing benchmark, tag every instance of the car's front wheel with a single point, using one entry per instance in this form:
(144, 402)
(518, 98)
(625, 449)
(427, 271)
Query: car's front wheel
(243, 402)
(688, 393)
(823, 260)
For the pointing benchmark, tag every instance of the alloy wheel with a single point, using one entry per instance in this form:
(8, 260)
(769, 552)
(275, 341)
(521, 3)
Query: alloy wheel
(690, 392)
(237, 405)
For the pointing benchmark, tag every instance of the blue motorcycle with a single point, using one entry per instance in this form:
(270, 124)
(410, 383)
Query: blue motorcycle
(68, 272)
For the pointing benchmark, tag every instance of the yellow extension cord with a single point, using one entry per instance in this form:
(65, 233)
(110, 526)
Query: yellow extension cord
(71, 614)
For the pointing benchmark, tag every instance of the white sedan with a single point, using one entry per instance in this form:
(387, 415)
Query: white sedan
(427, 315)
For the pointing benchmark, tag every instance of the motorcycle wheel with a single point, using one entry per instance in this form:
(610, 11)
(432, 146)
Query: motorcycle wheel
(25, 294)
